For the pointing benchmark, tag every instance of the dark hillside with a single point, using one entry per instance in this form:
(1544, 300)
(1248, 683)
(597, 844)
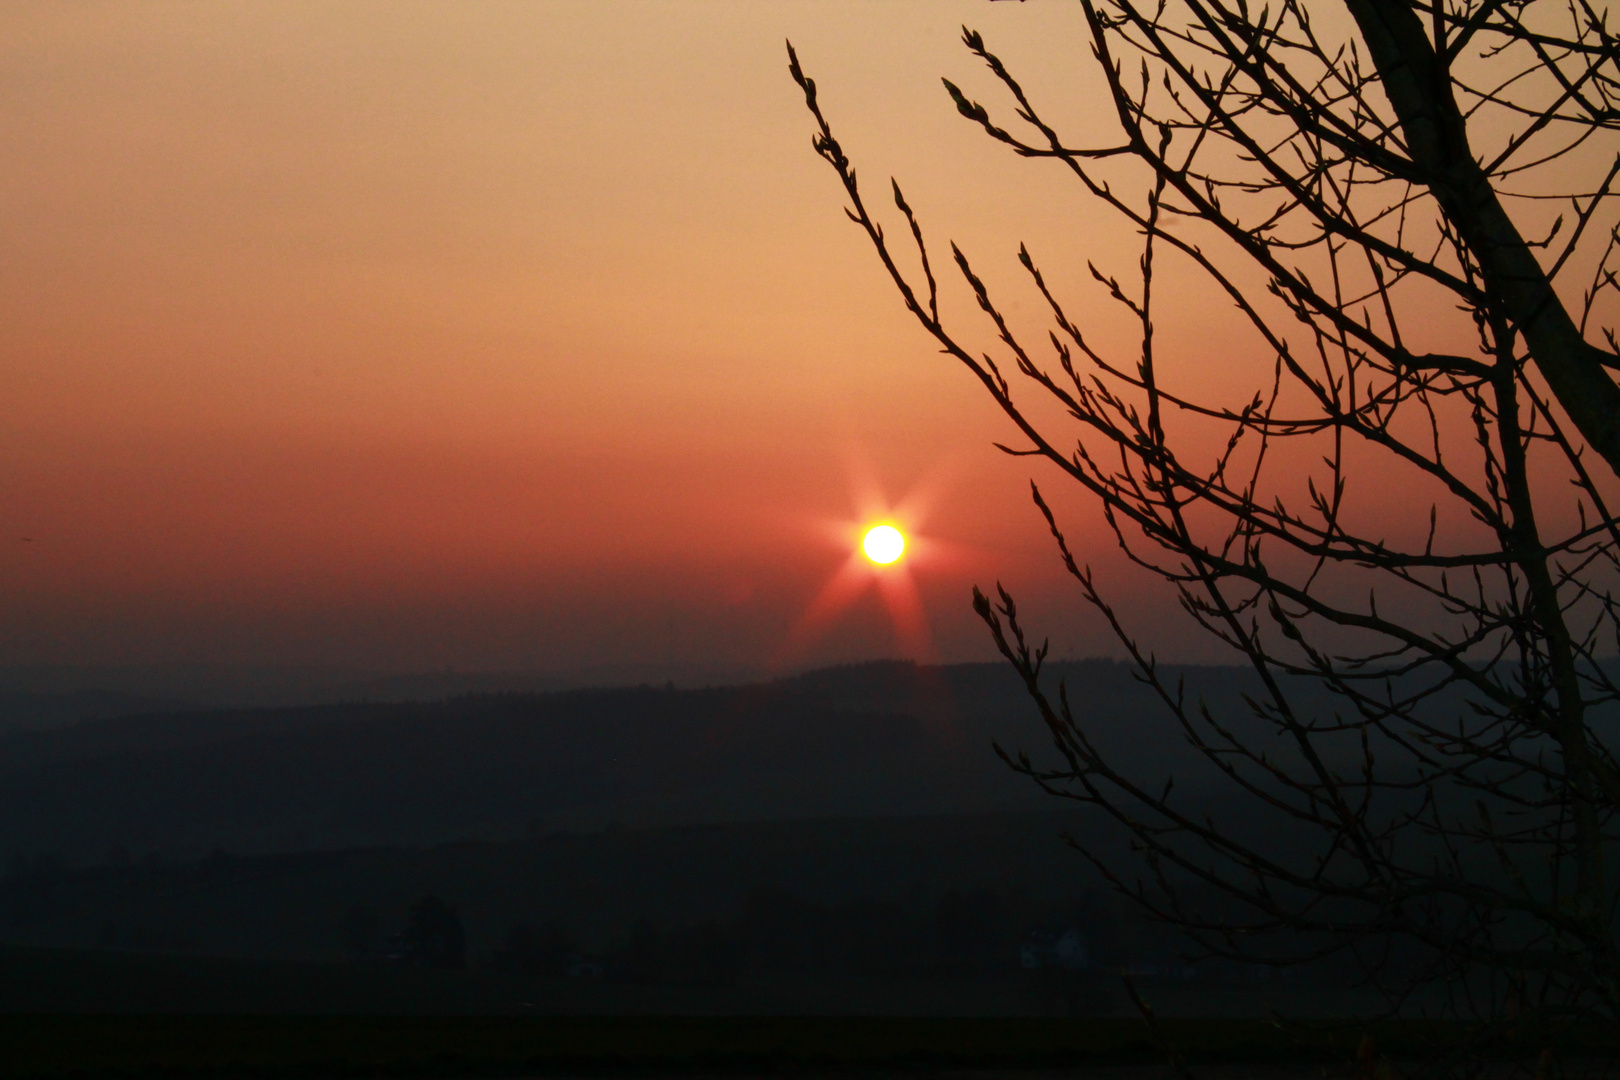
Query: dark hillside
(878, 739)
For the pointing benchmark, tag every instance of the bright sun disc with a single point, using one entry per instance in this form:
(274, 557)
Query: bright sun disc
(883, 544)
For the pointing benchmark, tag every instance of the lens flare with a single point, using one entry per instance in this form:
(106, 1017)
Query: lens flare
(883, 544)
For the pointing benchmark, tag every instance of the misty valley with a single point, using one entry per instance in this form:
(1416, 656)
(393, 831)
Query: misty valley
(845, 841)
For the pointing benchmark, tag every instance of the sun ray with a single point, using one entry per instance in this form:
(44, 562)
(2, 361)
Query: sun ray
(892, 573)
(905, 609)
(841, 590)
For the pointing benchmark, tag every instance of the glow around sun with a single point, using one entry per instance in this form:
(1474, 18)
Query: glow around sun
(883, 544)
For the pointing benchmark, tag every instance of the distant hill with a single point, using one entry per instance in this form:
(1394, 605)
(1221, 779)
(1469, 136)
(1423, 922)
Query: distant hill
(52, 695)
(874, 739)
(24, 711)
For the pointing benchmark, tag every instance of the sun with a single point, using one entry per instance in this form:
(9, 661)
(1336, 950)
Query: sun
(883, 544)
(877, 555)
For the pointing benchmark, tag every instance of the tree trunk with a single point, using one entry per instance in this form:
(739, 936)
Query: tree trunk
(1419, 87)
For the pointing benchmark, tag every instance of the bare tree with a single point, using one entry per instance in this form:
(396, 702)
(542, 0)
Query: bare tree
(1435, 704)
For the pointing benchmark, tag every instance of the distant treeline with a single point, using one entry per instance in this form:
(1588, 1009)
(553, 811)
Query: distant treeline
(854, 893)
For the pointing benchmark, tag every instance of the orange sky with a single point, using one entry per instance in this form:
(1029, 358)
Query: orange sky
(500, 335)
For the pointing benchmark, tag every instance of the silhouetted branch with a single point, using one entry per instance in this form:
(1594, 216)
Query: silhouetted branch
(1434, 699)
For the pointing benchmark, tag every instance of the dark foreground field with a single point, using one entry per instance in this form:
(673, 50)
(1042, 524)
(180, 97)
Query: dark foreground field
(48, 1046)
(70, 981)
(804, 1047)
(109, 1015)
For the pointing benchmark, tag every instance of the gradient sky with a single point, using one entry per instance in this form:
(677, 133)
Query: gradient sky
(506, 335)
